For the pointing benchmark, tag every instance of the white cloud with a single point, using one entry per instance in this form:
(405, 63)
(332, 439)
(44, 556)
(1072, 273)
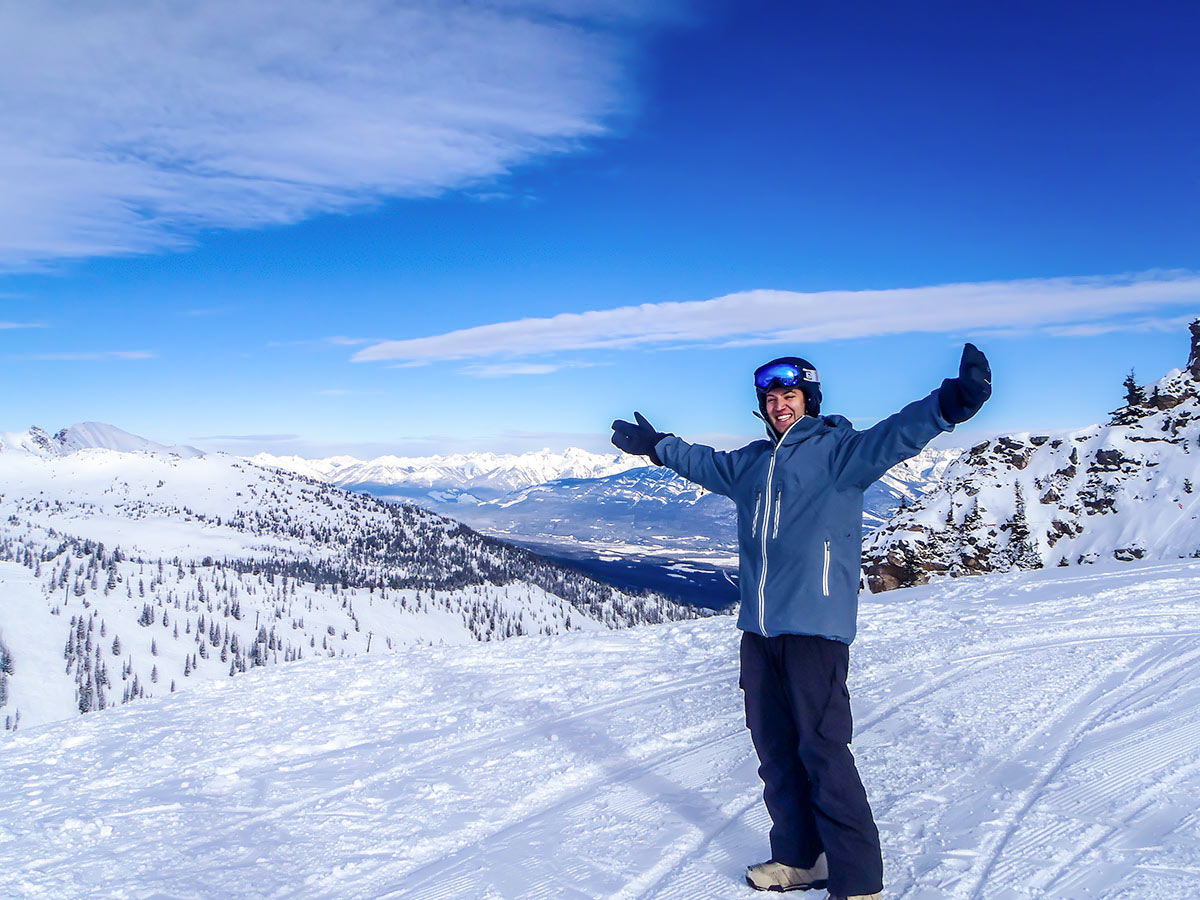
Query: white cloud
(778, 317)
(127, 126)
(93, 355)
(9, 325)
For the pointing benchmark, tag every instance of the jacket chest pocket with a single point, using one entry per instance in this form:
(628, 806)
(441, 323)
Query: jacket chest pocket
(767, 510)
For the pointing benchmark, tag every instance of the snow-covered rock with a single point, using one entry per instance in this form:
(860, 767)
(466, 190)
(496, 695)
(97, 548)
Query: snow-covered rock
(1128, 489)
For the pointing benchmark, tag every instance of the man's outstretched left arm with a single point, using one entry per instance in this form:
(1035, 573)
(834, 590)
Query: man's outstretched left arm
(714, 470)
(866, 455)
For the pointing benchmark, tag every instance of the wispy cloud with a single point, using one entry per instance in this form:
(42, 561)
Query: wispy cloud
(1138, 326)
(7, 325)
(506, 369)
(248, 438)
(128, 126)
(778, 317)
(413, 445)
(93, 355)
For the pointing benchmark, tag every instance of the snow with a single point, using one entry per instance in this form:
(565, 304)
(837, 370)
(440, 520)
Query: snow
(1029, 734)
(38, 642)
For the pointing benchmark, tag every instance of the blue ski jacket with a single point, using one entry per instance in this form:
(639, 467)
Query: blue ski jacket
(799, 502)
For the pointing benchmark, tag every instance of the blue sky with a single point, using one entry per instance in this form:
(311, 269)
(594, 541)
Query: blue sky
(430, 226)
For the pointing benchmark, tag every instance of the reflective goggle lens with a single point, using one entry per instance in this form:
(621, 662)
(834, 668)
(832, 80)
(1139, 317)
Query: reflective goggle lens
(783, 374)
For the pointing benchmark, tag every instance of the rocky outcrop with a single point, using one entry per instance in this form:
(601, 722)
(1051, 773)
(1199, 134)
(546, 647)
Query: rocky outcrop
(1122, 490)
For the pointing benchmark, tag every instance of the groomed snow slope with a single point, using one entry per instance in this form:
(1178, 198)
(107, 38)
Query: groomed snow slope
(1021, 735)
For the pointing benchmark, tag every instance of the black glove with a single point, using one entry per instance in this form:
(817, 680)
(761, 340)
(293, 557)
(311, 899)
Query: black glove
(961, 397)
(637, 439)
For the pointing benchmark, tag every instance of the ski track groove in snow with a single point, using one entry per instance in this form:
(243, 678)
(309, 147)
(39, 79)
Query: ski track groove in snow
(1146, 670)
(386, 769)
(1183, 745)
(609, 781)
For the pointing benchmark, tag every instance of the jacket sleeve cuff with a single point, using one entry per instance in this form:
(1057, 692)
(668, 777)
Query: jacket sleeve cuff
(936, 403)
(664, 441)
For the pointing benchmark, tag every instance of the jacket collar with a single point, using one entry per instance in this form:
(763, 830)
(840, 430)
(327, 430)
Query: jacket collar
(799, 430)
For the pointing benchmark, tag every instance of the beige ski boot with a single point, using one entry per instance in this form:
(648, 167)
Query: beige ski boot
(773, 876)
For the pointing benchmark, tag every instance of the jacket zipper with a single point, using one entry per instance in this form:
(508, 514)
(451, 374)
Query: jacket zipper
(778, 507)
(762, 578)
(825, 573)
(757, 509)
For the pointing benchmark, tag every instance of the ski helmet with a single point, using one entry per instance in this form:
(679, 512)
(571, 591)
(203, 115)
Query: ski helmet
(789, 371)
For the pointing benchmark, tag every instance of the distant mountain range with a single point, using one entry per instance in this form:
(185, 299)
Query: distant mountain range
(466, 478)
(585, 503)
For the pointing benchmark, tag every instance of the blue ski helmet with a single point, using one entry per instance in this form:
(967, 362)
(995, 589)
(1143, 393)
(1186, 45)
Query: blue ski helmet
(789, 371)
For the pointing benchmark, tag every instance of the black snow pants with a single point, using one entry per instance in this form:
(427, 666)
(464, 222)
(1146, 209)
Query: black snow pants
(798, 713)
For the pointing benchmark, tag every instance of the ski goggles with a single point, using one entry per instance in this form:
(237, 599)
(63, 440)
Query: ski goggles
(783, 375)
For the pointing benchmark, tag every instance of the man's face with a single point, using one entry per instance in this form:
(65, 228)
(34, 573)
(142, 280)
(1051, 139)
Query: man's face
(785, 406)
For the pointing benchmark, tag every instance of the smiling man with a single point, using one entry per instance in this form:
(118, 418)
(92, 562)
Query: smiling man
(799, 498)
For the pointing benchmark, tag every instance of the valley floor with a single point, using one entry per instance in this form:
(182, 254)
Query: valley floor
(1029, 735)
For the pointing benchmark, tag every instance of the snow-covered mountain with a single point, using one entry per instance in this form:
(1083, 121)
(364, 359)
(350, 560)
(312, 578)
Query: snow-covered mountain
(88, 435)
(129, 569)
(1127, 489)
(1021, 735)
(463, 478)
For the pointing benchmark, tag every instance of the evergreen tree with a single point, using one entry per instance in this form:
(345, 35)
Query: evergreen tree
(1135, 395)
(1022, 548)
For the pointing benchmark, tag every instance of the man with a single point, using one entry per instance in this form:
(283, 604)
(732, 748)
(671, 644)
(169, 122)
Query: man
(799, 502)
